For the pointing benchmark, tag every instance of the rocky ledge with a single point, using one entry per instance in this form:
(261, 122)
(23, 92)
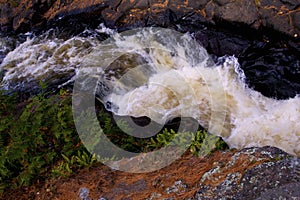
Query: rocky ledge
(280, 15)
(252, 173)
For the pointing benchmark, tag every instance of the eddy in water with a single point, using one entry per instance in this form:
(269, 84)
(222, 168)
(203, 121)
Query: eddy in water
(164, 74)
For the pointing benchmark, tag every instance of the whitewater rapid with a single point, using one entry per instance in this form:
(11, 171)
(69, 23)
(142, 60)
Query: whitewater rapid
(170, 75)
(164, 74)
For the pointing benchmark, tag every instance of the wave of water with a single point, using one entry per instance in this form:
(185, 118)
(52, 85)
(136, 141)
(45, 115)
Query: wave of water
(163, 74)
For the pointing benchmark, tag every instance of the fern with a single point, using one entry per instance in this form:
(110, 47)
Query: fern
(40, 137)
(33, 140)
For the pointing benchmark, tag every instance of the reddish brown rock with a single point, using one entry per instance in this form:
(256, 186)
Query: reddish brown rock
(282, 16)
(246, 174)
(237, 12)
(278, 15)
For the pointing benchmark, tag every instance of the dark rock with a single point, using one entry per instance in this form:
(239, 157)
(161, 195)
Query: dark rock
(238, 12)
(278, 15)
(142, 4)
(279, 174)
(220, 43)
(75, 22)
(194, 20)
(295, 18)
(127, 5)
(293, 3)
(287, 191)
(222, 2)
(200, 4)
(124, 188)
(135, 19)
(281, 16)
(162, 18)
(272, 68)
(110, 17)
(263, 179)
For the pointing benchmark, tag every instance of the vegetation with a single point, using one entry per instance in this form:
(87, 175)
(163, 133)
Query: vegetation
(38, 139)
(34, 136)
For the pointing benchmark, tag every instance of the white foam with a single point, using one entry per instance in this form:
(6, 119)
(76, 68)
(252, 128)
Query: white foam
(177, 79)
(190, 85)
(39, 57)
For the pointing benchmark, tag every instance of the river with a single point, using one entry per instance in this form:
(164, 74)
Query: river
(161, 74)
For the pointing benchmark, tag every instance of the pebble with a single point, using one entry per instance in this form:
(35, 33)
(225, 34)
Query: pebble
(84, 194)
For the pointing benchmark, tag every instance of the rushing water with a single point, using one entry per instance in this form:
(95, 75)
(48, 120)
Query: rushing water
(162, 74)
(44, 58)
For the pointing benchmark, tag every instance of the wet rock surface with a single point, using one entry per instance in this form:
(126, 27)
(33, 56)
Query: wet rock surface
(252, 173)
(279, 15)
(273, 68)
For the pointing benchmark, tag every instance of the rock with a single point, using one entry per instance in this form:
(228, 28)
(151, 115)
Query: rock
(281, 16)
(271, 64)
(246, 174)
(220, 44)
(264, 179)
(287, 191)
(272, 68)
(125, 189)
(256, 182)
(237, 12)
(178, 186)
(251, 173)
(84, 194)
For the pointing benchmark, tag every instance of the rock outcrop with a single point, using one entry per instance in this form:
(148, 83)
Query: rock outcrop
(252, 173)
(279, 15)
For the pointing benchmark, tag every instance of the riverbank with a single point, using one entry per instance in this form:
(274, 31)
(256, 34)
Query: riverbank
(254, 173)
(280, 16)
